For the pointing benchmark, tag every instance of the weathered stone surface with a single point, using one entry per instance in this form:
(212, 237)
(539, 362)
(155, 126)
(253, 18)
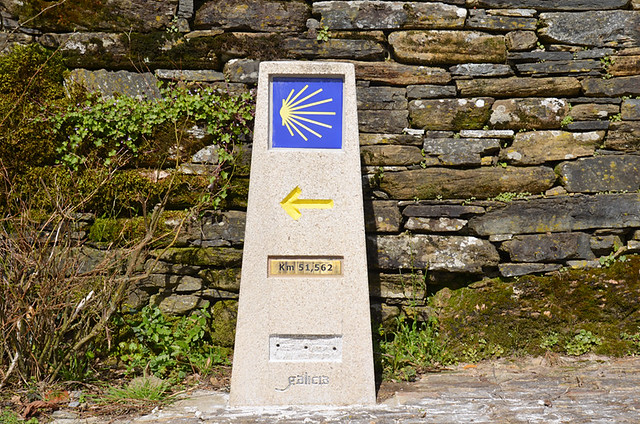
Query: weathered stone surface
(350, 15)
(438, 253)
(381, 98)
(430, 91)
(548, 247)
(521, 40)
(504, 134)
(399, 74)
(435, 225)
(623, 136)
(519, 87)
(593, 111)
(450, 114)
(460, 151)
(256, 15)
(534, 148)
(180, 304)
(382, 216)
(539, 56)
(623, 66)
(224, 315)
(139, 85)
(436, 211)
(334, 49)
(603, 173)
(447, 47)
(382, 121)
(8, 40)
(404, 288)
(481, 70)
(116, 15)
(242, 71)
(555, 5)
(613, 87)
(204, 256)
(221, 279)
(222, 227)
(390, 155)
(482, 182)
(630, 110)
(593, 28)
(516, 270)
(88, 50)
(605, 244)
(529, 113)
(561, 213)
(189, 75)
(486, 20)
(585, 66)
(401, 139)
(587, 126)
(172, 281)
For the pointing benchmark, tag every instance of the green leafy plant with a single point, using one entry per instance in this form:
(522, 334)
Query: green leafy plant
(566, 120)
(9, 417)
(140, 390)
(550, 341)
(583, 342)
(634, 339)
(411, 348)
(323, 33)
(170, 346)
(615, 118)
(510, 196)
(607, 62)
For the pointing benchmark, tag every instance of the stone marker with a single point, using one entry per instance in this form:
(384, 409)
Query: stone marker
(304, 331)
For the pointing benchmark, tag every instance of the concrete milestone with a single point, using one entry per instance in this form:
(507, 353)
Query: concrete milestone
(303, 333)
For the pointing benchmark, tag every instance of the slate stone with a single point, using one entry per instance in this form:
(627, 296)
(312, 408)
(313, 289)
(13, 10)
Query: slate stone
(539, 56)
(521, 40)
(438, 211)
(548, 247)
(91, 50)
(367, 15)
(185, 9)
(204, 256)
(624, 66)
(623, 136)
(227, 226)
(139, 85)
(9, 40)
(435, 253)
(613, 87)
(537, 147)
(450, 114)
(518, 269)
(381, 98)
(479, 19)
(242, 71)
(403, 288)
(585, 66)
(519, 87)
(435, 225)
(593, 111)
(430, 91)
(303, 48)
(382, 216)
(599, 28)
(481, 183)
(390, 155)
(189, 75)
(381, 139)
(587, 126)
(181, 304)
(554, 5)
(598, 100)
(227, 279)
(382, 121)
(447, 47)
(502, 134)
(630, 110)
(400, 74)
(603, 173)
(560, 213)
(605, 244)
(531, 113)
(460, 151)
(481, 70)
(593, 53)
(118, 16)
(254, 15)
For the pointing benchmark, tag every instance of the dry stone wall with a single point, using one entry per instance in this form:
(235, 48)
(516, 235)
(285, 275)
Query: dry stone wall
(498, 137)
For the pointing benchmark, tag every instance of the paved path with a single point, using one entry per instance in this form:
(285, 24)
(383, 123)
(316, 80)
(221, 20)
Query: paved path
(530, 390)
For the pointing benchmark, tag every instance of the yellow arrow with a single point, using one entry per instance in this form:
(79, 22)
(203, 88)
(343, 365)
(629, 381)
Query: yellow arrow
(292, 205)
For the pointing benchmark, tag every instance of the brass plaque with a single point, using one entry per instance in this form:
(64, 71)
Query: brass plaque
(305, 266)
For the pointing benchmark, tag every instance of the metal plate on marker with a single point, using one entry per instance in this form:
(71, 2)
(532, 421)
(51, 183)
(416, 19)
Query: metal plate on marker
(305, 348)
(294, 267)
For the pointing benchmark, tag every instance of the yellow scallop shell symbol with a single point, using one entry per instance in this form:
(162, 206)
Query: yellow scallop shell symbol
(292, 112)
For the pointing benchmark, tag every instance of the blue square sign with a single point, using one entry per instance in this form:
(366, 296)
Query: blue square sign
(306, 113)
